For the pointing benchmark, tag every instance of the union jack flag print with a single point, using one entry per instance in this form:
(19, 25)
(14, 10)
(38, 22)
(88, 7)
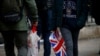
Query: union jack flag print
(57, 43)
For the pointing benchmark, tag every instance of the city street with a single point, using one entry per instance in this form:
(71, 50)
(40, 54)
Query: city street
(87, 47)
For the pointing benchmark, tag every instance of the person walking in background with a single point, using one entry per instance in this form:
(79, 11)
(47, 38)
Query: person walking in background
(45, 16)
(95, 10)
(14, 25)
(69, 16)
(75, 14)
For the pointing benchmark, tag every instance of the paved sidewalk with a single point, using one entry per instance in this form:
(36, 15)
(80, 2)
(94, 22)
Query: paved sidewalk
(87, 47)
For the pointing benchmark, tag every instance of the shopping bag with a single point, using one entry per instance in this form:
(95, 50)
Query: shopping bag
(33, 39)
(57, 43)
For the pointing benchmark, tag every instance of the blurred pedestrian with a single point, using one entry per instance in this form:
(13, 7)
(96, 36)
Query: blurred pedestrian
(69, 16)
(45, 16)
(14, 26)
(95, 10)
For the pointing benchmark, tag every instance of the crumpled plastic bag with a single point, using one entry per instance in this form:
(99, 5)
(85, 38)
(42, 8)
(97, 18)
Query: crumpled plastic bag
(33, 39)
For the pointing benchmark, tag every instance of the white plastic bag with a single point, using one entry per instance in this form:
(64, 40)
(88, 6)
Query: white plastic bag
(33, 39)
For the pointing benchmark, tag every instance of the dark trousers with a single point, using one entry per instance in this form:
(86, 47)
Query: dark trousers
(71, 41)
(47, 46)
(44, 29)
(46, 43)
(18, 38)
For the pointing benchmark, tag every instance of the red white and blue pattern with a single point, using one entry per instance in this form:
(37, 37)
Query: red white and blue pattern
(57, 43)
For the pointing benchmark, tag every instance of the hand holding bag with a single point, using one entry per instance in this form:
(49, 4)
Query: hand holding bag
(33, 39)
(57, 43)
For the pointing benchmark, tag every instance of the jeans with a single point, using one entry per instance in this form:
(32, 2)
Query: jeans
(44, 30)
(12, 38)
(71, 41)
(47, 46)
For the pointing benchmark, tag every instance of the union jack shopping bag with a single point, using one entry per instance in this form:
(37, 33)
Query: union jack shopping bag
(57, 43)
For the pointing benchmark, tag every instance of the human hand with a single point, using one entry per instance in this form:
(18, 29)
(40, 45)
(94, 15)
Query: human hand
(35, 23)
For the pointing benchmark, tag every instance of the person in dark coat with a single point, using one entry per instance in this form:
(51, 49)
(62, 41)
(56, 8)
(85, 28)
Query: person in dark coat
(44, 23)
(69, 16)
(95, 10)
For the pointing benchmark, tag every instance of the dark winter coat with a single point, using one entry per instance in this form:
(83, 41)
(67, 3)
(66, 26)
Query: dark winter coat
(82, 13)
(57, 9)
(95, 10)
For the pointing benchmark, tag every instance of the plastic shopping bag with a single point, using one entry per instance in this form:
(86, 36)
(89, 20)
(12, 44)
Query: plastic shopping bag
(57, 43)
(33, 39)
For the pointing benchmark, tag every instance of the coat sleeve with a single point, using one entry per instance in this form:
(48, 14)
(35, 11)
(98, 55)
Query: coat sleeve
(57, 10)
(82, 13)
(31, 9)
